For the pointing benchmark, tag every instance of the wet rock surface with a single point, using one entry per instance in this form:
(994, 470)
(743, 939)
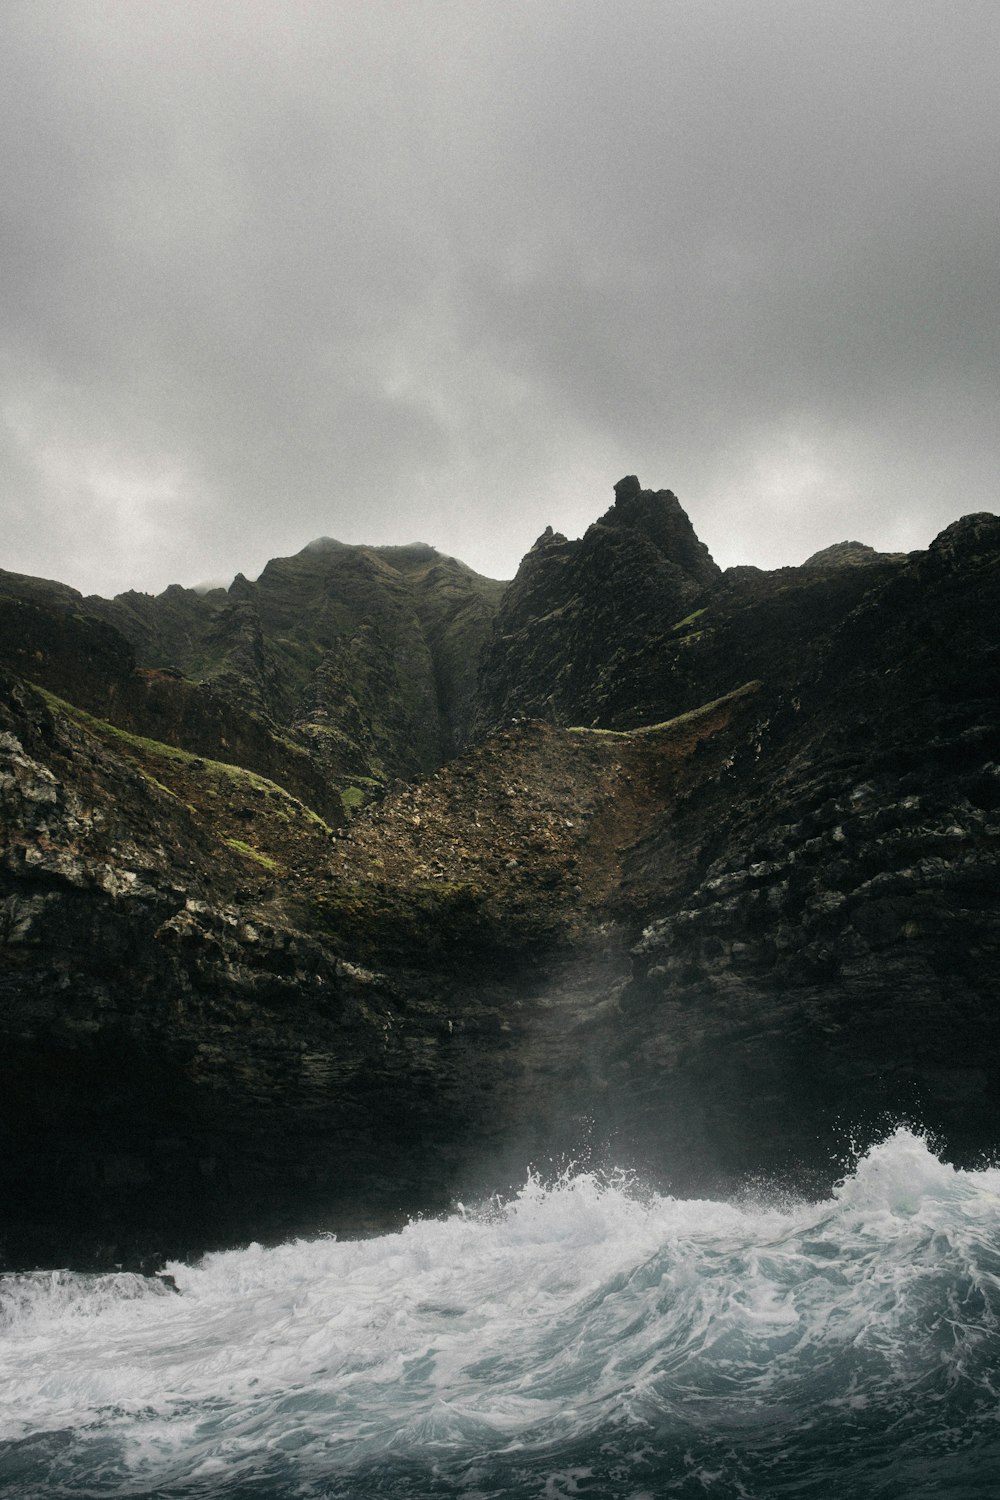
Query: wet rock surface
(750, 911)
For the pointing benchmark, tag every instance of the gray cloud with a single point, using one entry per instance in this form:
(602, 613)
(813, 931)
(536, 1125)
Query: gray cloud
(441, 270)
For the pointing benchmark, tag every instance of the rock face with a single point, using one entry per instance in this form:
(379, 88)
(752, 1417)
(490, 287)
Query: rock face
(634, 623)
(80, 658)
(849, 555)
(723, 894)
(581, 618)
(364, 655)
(220, 1023)
(827, 969)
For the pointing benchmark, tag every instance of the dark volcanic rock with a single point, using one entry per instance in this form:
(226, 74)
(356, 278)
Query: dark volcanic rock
(658, 517)
(180, 1063)
(90, 664)
(217, 1030)
(581, 618)
(367, 656)
(750, 912)
(831, 965)
(634, 623)
(848, 555)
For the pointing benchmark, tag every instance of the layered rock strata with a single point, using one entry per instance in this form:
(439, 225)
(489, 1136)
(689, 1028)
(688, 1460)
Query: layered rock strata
(748, 911)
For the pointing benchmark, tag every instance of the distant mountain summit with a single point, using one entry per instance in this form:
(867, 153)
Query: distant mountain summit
(366, 654)
(658, 516)
(581, 615)
(848, 555)
(363, 656)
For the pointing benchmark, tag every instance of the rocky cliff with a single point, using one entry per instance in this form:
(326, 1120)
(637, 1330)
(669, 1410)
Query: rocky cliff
(581, 618)
(366, 656)
(713, 888)
(635, 622)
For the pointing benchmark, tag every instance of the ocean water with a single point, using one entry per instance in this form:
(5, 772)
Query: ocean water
(583, 1339)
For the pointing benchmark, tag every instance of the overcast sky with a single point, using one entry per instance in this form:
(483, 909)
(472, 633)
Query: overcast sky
(445, 270)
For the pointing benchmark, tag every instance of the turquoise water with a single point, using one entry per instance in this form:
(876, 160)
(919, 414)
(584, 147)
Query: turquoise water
(584, 1339)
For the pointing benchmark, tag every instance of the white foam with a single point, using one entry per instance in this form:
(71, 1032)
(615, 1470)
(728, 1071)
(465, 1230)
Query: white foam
(579, 1302)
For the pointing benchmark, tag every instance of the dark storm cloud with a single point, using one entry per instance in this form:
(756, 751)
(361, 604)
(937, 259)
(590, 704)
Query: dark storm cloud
(445, 270)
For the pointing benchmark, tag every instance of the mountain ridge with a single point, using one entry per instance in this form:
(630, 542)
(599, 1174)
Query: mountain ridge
(698, 865)
(300, 647)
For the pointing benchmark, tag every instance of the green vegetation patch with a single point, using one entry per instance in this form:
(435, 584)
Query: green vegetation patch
(686, 718)
(250, 853)
(142, 748)
(688, 619)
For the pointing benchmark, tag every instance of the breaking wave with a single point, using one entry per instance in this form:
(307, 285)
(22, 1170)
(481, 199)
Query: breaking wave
(582, 1339)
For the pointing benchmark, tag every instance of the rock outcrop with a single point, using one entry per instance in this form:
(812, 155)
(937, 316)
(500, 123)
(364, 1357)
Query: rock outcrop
(849, 555)
(581, 619)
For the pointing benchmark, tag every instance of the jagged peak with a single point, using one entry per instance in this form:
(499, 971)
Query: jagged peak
(659, 516)
(241, 587)
(627, 488)
(549, 538)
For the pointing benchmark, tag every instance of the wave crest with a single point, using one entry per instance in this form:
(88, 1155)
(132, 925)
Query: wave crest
(582, 1316)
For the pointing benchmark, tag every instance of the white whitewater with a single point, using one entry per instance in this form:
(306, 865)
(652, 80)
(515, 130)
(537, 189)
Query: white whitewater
(583, 1339)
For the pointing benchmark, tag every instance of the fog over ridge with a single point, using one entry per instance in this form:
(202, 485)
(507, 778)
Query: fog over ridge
(443, 271)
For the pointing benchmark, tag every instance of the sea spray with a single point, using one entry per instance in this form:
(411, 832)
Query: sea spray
(582, 1339)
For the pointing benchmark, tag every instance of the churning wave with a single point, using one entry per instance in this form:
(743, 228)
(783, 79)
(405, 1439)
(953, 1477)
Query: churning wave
(583, 1339)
